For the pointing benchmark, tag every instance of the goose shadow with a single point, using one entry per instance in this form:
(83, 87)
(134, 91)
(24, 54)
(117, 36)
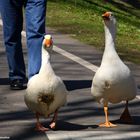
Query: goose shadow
(135, 121)
(77, 84)
(67, 126)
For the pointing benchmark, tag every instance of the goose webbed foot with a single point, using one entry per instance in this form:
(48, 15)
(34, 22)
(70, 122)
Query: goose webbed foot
(107, 124)
(53, 122)
(126, 117)
(40, 127)
(53, 125)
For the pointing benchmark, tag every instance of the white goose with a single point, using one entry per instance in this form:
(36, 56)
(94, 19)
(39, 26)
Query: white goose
(113, 81)
(46, 92)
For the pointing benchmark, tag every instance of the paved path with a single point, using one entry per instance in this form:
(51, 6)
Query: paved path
(80, 118)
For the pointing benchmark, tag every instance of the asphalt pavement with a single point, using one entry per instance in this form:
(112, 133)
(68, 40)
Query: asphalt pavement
(79, 119)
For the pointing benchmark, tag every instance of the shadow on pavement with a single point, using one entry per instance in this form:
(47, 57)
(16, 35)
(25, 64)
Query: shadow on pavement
(136, 121)
(4, 81)
(29, 133)
(67, 126)
(77, 84)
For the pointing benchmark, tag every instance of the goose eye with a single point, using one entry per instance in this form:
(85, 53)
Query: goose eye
(111, 15)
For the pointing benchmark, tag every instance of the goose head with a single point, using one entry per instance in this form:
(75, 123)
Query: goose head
(47, 43)
(110, 24)
(109, 18)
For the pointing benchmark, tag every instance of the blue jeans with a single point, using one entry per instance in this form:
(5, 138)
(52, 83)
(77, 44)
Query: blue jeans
(12, 16)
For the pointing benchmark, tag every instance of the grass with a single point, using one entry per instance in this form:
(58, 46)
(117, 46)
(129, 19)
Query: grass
(82, 20)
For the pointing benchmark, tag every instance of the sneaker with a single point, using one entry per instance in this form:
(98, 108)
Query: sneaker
(17, 84)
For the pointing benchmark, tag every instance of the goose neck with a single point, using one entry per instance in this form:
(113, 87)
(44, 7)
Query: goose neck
(45, 65)
(110, 34)
(110, 55)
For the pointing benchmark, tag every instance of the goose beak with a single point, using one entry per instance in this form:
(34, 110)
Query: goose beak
(48, 43)
(106, 15)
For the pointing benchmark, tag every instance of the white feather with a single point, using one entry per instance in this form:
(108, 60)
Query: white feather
(44, 83)
(113, 82)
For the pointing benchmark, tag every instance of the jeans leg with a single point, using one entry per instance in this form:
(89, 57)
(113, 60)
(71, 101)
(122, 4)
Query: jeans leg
(12, 27)
(35, 28)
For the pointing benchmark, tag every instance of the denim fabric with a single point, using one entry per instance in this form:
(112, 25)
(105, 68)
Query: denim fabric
(12, 16)
(18, 3)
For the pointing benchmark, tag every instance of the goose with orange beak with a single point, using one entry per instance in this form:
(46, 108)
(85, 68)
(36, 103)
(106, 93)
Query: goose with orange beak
(113, 82)
(46, 92)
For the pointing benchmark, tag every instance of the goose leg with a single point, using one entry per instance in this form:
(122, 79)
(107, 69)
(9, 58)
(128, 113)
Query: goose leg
(53, 122)
(125, 117)
(107, 123)
(39, 126)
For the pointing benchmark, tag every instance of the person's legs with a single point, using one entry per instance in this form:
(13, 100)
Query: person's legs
(35, 28)
(12, 27)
